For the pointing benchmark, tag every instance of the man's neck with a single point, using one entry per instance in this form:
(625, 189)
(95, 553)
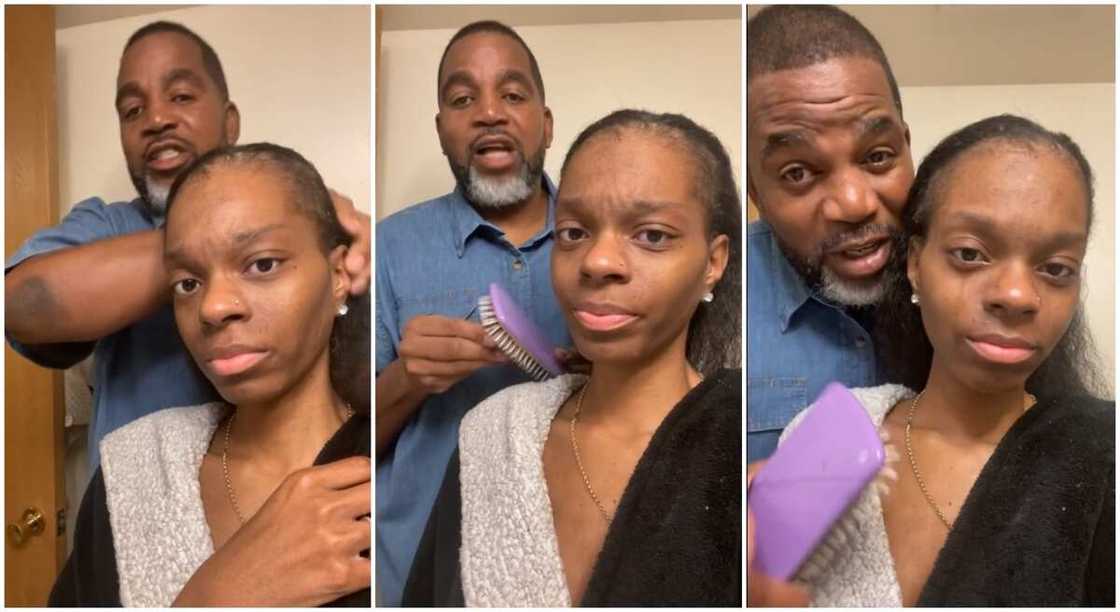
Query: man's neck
(521, 221)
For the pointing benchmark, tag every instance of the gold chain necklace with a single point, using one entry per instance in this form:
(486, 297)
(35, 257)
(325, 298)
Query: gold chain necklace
(914, 462)
(579, 461)
(225, 463)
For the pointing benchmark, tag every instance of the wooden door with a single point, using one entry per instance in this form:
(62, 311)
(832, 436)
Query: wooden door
(33, 398)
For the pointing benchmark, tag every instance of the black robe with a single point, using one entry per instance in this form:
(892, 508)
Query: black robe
(1038, 527)
(90, 576)
(676, 537)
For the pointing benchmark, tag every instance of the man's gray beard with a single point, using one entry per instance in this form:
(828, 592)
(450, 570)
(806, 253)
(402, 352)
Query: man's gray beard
(156, 196)
(153, 194)
(497, 193)
(831, 287)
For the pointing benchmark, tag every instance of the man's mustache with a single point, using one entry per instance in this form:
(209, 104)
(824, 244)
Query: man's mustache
(869, 230)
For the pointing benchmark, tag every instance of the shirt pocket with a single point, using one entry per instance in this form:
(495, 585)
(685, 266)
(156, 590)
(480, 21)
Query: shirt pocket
(450, 303)
(773, 402)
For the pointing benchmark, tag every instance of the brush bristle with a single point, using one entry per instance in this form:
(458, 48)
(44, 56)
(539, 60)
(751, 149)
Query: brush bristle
(846, 527)
(506, 342)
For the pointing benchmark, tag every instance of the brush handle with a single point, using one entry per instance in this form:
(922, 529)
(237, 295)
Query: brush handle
(811, 480)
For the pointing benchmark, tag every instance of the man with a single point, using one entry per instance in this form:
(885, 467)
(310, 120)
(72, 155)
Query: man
(96, 282)
(434, 259)
(829, 168)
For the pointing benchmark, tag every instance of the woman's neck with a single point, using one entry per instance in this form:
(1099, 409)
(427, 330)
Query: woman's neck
(287, 432)
(638, 395)
(957, 410)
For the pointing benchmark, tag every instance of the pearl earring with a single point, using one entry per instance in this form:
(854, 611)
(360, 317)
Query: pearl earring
(914, 299)
(708, 297)
(343, 309)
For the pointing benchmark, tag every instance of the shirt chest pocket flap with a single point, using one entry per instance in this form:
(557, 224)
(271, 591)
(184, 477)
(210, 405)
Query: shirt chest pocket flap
(773, 402)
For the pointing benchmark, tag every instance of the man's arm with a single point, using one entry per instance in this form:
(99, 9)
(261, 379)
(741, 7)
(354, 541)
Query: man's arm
(435, 353)
(86, 292)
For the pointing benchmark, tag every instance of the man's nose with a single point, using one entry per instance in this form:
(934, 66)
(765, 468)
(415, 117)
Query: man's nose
(851, 198)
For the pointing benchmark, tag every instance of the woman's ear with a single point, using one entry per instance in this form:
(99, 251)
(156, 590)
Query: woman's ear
(718, 253)
(913, 255)
(340, 278)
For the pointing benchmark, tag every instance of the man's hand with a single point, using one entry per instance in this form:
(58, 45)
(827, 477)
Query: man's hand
(762, 590)
(358, 225)
(438, 352)
(300, 549)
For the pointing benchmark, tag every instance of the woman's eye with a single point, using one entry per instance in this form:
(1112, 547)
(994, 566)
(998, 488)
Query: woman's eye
(1058, 270)
(968, 255)
(186, 286)
(570, 234)
(264, 265)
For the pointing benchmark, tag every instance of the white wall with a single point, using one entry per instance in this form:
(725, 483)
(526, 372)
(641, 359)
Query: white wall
(691, 67)
(1085, 112)
(300, 75)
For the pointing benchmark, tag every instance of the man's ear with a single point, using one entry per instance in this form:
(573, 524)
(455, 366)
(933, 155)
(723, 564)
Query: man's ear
(547, 127)
(906, 131)
(232, 119)
(439, 134)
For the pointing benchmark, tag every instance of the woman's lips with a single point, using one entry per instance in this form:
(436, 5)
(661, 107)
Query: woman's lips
(860, 261)
(1001, 352)
(603, 322)
(237, 363)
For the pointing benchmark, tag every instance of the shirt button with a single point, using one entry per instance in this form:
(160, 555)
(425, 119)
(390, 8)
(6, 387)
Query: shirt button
(860, 341)
(518, 264)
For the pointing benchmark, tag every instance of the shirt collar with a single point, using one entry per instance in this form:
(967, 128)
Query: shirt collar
(465, 220)
(790, 291)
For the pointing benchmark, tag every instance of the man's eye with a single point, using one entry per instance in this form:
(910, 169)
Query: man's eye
(131, 112)
(459, 101)
(182, 98)
(797, 175)
(514, 97)
(570, 234)
(186, 286)
(880, 158)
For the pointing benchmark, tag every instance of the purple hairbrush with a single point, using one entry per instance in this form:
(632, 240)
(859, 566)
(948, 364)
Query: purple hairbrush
(516, 334)
(812, 479)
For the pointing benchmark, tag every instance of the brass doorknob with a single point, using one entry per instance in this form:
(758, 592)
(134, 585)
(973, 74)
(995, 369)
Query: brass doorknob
(30, 524)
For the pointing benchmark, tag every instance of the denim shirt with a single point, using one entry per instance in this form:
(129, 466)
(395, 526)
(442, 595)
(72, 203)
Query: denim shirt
(140, 369)
(438, 257)
(796, 344)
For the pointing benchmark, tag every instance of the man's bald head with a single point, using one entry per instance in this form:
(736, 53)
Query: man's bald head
(795, 36)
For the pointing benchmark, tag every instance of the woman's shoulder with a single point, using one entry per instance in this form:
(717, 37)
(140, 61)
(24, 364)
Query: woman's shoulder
(877, 401)
(164, 432)
(525, 401)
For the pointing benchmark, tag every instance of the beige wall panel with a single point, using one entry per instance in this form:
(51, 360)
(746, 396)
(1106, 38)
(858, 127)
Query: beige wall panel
(300, 75)
(589, 70)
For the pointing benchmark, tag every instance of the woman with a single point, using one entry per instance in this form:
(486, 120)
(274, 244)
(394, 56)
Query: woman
(621, 488)
(1006, 481)
(206, 504)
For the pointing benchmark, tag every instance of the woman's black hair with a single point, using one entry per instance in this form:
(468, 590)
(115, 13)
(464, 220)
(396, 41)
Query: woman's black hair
(904, 350)
(715, 331)
(350, 335)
